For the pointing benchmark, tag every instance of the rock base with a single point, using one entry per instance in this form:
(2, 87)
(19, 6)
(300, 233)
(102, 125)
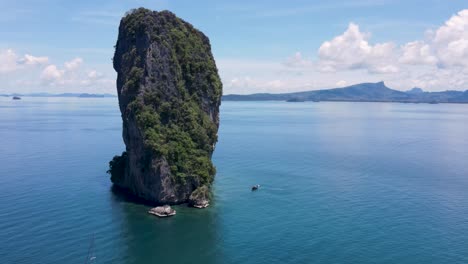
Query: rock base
(202, 205)
(162, 211)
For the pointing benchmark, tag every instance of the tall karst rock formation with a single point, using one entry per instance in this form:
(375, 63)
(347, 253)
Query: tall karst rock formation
(169, 95)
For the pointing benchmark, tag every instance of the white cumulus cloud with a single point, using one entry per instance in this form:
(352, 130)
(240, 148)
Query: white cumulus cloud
(32, 60)
(297, 60)
(351, 50)
(93, 75)
(341, 83)
(417, 52)
(73, 64)
(451, 41)
(10, 61)
(71, 74)
(51, 74)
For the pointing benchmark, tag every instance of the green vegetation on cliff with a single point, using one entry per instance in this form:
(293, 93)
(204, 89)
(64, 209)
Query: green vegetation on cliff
(179, 131)
(172, 89)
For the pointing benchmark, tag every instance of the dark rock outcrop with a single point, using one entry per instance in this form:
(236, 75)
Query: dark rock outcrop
(200, 198)
(162, 211)
(169, 95)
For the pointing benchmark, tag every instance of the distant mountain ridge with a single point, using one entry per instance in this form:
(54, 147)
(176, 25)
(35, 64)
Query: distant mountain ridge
(81, 95)
(363, 92)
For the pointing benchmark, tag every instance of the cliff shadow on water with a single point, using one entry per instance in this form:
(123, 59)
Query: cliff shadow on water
(193, 235)
(124, 196)
(169, 95)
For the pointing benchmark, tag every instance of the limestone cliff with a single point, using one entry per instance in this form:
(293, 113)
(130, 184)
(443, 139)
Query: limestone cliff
(169, 95)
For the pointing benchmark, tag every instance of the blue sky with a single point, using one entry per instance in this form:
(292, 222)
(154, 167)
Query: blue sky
(259, 46)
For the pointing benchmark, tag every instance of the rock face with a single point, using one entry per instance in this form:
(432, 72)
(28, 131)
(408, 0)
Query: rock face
(169, 95)
(200, 198)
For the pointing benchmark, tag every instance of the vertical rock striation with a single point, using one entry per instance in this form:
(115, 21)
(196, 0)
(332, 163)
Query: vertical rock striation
(169, 95)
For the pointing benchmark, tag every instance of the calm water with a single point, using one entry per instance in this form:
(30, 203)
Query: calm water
(341, 183)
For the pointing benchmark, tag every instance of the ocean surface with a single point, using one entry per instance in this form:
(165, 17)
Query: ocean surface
(340, 183)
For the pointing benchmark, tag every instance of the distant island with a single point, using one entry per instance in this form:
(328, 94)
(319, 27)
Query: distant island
(364, 92)
(295, 100)
(80, 95)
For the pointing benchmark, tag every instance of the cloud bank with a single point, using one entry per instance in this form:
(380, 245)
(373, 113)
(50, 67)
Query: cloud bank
(439, 61)
(436, 61)
(28, 73)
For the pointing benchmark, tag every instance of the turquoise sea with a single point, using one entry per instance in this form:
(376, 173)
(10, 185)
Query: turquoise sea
(340, 183)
